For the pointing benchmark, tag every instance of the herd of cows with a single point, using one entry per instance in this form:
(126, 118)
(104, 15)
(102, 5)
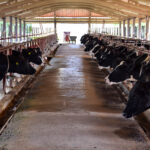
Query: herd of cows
(125, 65)
(19, 62)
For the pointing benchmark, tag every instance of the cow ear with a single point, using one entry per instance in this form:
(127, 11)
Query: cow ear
(15, 53)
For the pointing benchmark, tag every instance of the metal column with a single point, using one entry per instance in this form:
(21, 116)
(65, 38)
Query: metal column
(147, 28)
(4, 28)
(16, 27)
(89, 23)
(120, 28)
(133, 34)
(20, 29)
(55, 23)
(24, 29)
(10, 28)
(139, 31)
(124, 28)
(128, 28)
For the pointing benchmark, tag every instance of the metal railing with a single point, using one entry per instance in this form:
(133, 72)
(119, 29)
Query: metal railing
(43, 42)
(5, 41)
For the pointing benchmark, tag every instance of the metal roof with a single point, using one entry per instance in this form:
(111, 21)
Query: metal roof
(116, 9)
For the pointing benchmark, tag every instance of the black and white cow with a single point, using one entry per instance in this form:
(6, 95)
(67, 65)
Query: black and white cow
(131, 67)
(145, 72)
(33, 55)
(84, 38)
(91, 43)
(15, 63)
(139, 99)
(112, 56)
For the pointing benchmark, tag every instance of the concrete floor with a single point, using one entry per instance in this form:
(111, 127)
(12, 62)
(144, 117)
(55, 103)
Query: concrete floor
(71, 108)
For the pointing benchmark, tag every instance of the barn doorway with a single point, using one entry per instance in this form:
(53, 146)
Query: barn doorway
(74, 29)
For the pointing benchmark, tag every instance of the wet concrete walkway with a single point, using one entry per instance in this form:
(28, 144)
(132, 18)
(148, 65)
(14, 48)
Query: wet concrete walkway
(70, 108)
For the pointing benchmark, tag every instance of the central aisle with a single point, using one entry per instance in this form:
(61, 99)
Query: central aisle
(71, 108)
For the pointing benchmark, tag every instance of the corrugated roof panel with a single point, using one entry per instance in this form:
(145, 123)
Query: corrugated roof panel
(72, 13)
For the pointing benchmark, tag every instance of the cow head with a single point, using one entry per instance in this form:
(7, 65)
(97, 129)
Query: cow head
(18, 64)
(120, 73)
(136, 68)
(3, 65)
(106, 60)
(139, 99)
(123, 70)
(33, 55)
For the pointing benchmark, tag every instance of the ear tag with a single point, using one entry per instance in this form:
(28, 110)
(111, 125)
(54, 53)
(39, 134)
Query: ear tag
(29, 53)
(17, 63)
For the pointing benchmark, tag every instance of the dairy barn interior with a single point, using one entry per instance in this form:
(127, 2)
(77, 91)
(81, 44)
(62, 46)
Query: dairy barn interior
(74, 75)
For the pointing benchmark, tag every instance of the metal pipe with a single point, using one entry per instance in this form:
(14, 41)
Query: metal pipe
(55, 23)
(120, 28)
(124, 28)
(16, 27)
(133, 34)
(4, 28)
(139, 31)
(147, 28)
(24, 29)
(128, 28)
(20, 29)
(10, 28)
(89, 23)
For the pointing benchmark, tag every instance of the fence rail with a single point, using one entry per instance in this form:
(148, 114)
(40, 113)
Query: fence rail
(44, 43)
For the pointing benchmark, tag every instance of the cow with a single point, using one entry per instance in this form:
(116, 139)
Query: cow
(145, 72)
(112, 56)
(15, 63)
(139, 99)
(84, 38)
(33, 55)
(90, 43)
(130, 67)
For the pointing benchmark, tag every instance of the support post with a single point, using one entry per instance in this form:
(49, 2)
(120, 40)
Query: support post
(55, 23)
(10, 27)
(128, 28)
(89, 23)
(24, 29)
(123, 27)
(139, 30)
(16, 27)
(103, 26)
(120, 28)
(133, 34)
(20, 29)
(4, 28)
(147, 28)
